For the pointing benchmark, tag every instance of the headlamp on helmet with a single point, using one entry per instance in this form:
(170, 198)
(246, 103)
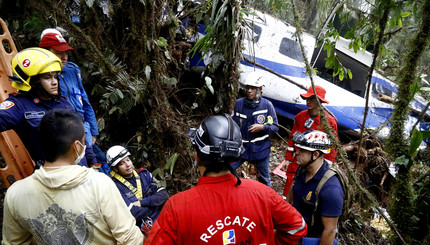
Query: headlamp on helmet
(218, 138)
(115, 154)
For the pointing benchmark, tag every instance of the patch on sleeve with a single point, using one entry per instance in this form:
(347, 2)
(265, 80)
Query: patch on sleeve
(6, 105)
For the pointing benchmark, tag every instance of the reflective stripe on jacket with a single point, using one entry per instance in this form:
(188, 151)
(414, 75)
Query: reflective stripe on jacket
(258, 144)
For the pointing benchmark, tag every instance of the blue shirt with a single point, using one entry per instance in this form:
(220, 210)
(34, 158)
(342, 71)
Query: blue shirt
(23, 114)
(330, 198)
(153, 197)
(257, 145)
(71, 87)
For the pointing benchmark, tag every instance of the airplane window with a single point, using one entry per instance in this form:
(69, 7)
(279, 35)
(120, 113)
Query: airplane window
(379, 89)
(291, 49)
(254, 33)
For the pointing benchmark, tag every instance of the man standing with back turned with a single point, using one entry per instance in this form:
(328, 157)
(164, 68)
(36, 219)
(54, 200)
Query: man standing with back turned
(223, 209)
(63, 203)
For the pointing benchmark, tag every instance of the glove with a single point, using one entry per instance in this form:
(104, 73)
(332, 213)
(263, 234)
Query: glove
(146, 226)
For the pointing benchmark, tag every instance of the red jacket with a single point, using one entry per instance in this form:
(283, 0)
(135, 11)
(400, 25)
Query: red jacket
(217, 212)
(299, 125)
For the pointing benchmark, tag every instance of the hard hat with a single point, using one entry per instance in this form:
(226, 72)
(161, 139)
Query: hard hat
(218, 138)
(252, 79)
(312, 140)
(320, 93)
(115, 154)
(31, 62)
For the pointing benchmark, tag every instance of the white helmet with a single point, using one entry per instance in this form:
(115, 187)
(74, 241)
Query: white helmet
(115, 154)
(312, 140)
(252, 79)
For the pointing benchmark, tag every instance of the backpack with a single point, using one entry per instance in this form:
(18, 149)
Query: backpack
(334, 171)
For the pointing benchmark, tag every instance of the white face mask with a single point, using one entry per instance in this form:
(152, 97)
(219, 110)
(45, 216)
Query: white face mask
(81, 155)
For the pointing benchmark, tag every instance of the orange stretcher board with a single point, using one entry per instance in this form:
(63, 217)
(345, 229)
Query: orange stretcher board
(16, 162)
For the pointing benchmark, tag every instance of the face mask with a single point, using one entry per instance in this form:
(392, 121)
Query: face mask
(81, 155)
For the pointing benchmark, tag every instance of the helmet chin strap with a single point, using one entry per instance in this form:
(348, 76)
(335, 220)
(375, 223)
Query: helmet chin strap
(311, 161)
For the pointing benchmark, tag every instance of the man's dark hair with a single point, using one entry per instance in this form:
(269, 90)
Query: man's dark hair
(58, 130)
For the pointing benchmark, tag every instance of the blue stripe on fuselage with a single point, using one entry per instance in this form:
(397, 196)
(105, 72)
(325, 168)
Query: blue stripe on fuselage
(349, 117)
(287, 70)
(300, 72)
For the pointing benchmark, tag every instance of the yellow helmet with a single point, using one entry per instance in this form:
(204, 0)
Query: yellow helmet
(31, 62)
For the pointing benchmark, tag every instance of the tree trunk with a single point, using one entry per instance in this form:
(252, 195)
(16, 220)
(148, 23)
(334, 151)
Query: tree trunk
(402, 208)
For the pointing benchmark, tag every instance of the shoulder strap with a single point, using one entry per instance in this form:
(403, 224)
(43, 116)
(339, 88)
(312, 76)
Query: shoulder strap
(330, 173)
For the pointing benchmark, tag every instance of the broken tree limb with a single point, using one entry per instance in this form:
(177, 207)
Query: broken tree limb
(422, 114)
(385, 98)
(274, 72)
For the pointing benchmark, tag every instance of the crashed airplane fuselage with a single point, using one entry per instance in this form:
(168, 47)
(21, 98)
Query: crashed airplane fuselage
(273, 44)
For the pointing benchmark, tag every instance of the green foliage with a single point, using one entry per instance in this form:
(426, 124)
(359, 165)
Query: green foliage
(423, 208)
(120, 95)
(223, 19)
(332, 60)
(170, 164)
(417, 138)
(404, 202)
(139, 149)
(167, 171)
(222, 45)
(34, 24)
(401, 208)
(162, 42)
(278, 4)
(407, 158)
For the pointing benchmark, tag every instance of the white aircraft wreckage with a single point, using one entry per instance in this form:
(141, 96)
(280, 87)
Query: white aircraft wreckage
(273, 53)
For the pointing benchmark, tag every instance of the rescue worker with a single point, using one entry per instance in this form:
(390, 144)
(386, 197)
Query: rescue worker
(35, 74)
(221, 208)
(70, 83)
(307, 119)
(321, 220)
(137, 187)
(62, 203)
(257, 119)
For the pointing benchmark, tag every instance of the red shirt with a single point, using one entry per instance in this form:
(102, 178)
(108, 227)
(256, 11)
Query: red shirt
(217, 212)
(302, 124)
